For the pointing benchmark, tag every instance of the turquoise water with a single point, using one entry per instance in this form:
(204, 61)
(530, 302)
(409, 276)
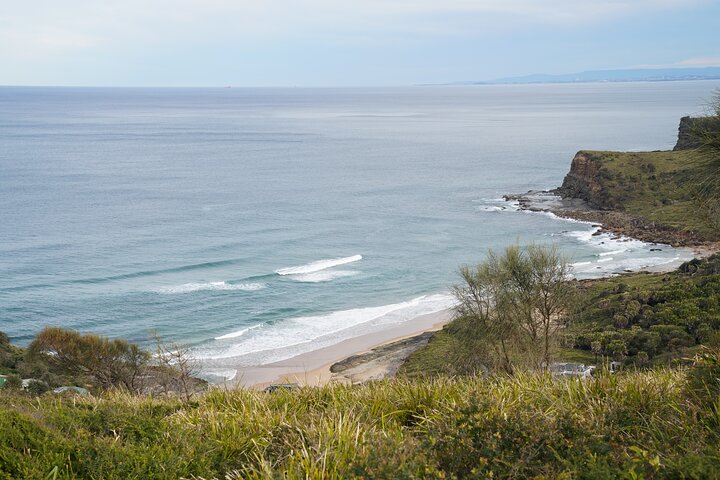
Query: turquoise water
(184, 211)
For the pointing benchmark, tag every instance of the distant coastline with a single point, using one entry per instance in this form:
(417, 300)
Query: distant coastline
(607, 76)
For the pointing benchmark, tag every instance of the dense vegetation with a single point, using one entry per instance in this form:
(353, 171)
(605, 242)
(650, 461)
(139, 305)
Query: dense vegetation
(658, 187)
(656, 424)
(58, 357)
(707, 180)
(645, 319)
(640, 319)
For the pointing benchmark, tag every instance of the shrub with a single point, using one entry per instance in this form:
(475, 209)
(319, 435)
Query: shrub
(37, 387)
(703, 381)
(106, 363)
(13, 382)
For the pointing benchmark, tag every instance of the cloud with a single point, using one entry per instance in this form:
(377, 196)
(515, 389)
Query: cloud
(130, 37)
(700, 62)
(81, 24)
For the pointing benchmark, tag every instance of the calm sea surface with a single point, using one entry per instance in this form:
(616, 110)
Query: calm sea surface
(262, 223)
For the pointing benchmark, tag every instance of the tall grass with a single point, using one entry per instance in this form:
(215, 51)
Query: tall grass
(635, 425)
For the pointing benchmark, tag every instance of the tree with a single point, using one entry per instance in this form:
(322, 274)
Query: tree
(517, 302)
(177, 368)
(10, 355)
(103, 362)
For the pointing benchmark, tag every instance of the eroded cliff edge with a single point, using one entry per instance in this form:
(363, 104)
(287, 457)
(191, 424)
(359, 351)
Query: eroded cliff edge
(644, 195)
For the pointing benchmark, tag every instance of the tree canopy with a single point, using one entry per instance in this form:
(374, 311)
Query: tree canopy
(106, 363)
(514, 305)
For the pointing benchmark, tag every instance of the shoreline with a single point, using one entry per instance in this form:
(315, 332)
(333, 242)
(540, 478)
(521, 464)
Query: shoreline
(379, 354)
(614, 222)
(314, 368)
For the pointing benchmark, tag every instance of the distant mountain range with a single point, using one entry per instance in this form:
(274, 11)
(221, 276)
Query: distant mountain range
(630, 75)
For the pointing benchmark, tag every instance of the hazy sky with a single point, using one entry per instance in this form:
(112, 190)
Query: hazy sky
(343, 42)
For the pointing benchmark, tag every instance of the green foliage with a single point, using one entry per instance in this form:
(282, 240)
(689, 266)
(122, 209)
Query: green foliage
(37, 387)
(91, 358)
(660, 187)
(13, 382)
(10, 356)
(527, 426)
(707, 181)
(703, 383)
(640, 319)
(512, 305)
(646, 319)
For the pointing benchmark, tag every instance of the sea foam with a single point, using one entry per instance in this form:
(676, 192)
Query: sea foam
(198, 287)
(318, 265)
(322, 276)
(297, 335)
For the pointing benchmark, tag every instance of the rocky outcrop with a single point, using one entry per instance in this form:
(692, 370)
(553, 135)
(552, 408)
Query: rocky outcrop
(583, 182)
(613, 222)
(692, 130)
(687, 134)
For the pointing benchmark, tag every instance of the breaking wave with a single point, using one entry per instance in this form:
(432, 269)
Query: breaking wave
(318, 265)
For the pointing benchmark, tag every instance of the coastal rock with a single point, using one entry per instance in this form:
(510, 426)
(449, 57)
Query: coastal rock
(380, 362)
(621, 224)
(687, 133)
(583, 182)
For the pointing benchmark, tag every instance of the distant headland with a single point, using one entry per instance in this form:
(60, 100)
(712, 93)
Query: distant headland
(622, 75)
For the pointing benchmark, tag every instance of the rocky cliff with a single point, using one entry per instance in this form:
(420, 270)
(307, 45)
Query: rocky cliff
(583, 181)
(687, 133)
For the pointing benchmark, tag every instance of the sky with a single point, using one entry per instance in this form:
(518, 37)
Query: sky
(343, 42)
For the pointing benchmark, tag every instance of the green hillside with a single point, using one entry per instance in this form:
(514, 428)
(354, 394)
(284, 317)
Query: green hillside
(658, 424)
(657, 186)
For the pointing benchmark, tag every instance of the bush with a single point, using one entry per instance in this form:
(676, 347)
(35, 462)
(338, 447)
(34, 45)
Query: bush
(627, 425)
(703, 381)
(37, 387)
(103, 362)
(13, 382)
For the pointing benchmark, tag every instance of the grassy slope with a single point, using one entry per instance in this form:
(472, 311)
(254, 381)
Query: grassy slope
(656, 186)
(640, 424)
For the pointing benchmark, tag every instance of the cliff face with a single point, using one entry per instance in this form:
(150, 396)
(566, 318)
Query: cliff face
(583, 181)
(687, 136)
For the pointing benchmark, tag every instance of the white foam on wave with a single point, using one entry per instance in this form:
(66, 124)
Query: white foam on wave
(239, 333)
(497, 205)
(294, 336)
(225, 375)
(318, 265)
(322, 276)
(611, 266)
(612, 252)
(202, 286)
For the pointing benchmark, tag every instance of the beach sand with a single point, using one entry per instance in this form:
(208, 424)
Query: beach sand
(313, 368)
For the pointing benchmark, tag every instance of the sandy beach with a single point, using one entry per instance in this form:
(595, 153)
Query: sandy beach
(313, 368)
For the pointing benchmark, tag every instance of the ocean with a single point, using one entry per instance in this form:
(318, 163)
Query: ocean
(258, 224)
